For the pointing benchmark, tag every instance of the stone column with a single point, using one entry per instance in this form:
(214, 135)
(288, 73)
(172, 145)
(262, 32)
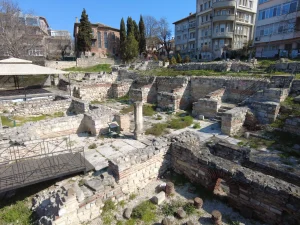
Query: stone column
(138, 120)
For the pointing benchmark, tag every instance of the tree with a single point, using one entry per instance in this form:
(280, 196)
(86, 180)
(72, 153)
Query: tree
(178, 59)
(17, 39)
(132, 48)
(151, 25)
(84, 36)
(130, 26)
(122, 39)
(142, 42)
(173, 61)
(136, 31)
(164, 34)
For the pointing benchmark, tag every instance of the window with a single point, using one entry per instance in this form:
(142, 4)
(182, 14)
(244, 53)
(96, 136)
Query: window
(105, 40)
(201, 8)
(178, 37)
(269, 12)
(289, 7)
(99, 39)
(205, 6)
(35, 52)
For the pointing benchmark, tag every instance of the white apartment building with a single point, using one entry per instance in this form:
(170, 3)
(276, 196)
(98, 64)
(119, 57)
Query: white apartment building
(278, 28)
(223, 25)
(185, 36)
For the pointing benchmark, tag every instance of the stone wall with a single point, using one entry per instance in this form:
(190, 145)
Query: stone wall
(292, 125)
(60, 64)
(253, 193)
(287, 67)
(93, 61)
(236, 89)
(233, 120)
(235, 66)
(265, 112)
(35, 107)
(209, 105)
(295, 88)
(121, 88)
(91, 92)
(78, 106)
(131, 172)
(167, 101)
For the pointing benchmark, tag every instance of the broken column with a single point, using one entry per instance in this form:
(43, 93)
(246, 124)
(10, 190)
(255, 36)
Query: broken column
(138, 120)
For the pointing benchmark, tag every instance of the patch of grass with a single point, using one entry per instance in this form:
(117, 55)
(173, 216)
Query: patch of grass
(119, 222)
(109, 205)
(97, 68)
(146, 212)
(265, 63)
(20, 120)
(157, 129)
(159, 117)
(127, 109)
(122, 203)
(81, 182)
(189, 209)
(107, 212)
(196, 126)
(92, 146)
(131, 222)
(132, 196)
(149, 110)
(180, 123)
(18, 213)
(96, 102)
(169, 209)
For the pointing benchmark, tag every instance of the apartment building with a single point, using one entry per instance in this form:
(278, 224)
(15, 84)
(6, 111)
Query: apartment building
(185, 36)
(105, 41)
(223, 25)
(278, 28)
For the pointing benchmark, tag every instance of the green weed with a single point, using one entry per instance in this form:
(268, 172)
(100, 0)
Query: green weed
(97, 68)
(92, 146)
(146, 212)
(157, 129)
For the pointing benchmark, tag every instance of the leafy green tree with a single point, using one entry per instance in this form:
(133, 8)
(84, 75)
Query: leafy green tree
(136, 31)
(122, 39)
(179, 60)
(142, 42)
(84, 36)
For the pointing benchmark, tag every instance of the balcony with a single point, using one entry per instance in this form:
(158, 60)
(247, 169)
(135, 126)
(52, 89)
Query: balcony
(242, 20)
(222, 35)
(223, 18)
(224, 4)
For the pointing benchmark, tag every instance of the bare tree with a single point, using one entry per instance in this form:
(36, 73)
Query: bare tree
(16, 39)
(151, 25)
(164, 34)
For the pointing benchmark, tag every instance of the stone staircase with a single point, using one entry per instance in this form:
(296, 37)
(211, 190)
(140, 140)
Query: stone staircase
(224, 108)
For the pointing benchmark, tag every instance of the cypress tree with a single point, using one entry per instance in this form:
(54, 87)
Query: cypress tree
(142, 41)
(122, 39)
(136, 31)
(130, 26)
(84, 36)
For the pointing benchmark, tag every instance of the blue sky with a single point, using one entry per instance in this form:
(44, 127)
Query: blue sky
(61, 13)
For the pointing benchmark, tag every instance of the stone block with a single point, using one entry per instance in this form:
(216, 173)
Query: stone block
(159, 198)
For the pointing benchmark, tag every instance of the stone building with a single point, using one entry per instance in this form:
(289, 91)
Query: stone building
(105, 41)
(223, 25)
(277, 28)
(185, 36)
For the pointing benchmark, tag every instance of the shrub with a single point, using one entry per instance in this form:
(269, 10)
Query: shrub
(109, 205)
(173, 61)
(186, 59)
(180, 123)
(189, 208)
(178, 59)
(196, 126)
(93, 146)
(145, 211)
(148, 110)
(169, 209)
(157, 129)
(122, 203)
(132, 196)
(159, 117)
